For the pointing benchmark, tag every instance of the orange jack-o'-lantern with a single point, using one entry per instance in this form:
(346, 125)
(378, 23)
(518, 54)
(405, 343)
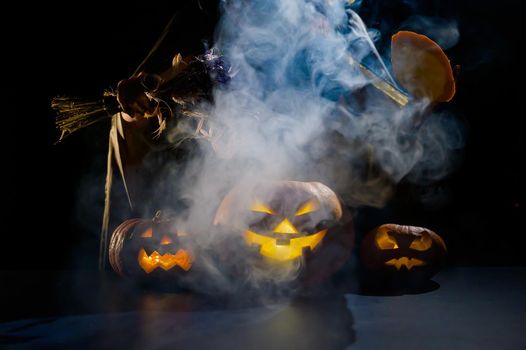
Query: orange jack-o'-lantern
(289, 221)
(403, 253)
(142, 247)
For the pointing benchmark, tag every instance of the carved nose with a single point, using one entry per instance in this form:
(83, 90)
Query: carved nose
(166, 240)
(285, 227)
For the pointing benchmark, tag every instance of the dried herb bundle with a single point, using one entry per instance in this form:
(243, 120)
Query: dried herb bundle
(74, 113)
(191, 84)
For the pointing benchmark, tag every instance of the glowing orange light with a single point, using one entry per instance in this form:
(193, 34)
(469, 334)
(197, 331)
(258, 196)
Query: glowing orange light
(147, 234)
(291, 251)
(422, 243)
(167, 261)
(308, 207)
(409, 263)
(384, 241)
(262, 208)
(285, 226)
(166, 240)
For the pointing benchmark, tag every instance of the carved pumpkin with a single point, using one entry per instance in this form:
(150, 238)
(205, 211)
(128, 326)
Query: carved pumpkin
(402, 254)
(291, 221)
(142, 247)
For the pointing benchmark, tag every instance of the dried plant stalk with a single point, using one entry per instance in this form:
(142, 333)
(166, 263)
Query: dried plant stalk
(75, 113)
(386, 88)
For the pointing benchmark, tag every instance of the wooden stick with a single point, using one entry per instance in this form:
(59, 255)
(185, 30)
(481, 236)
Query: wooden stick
(388, 89)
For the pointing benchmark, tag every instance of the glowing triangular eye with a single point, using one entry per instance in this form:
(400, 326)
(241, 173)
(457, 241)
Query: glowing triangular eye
(422, 243)
(308, 207)
(262, 208)
(147, 234)
(384, 241)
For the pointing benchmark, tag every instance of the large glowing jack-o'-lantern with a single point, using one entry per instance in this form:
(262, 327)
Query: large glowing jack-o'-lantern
(290, 220)
(284, 241)
(403, 253)
(140, 246)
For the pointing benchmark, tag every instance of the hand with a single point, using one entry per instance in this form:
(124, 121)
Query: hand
(131, 94)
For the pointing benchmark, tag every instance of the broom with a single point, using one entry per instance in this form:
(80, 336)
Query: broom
(75, 113)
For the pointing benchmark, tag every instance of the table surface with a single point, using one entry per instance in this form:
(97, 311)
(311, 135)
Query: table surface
(474, 308)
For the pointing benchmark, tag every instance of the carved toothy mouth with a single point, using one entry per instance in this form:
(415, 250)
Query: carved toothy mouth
(409, 263)
(284, 249)
(166, 261)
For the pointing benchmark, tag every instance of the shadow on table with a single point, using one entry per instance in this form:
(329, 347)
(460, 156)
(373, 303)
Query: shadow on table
(109, 315)
(362, 283)
(387, 289)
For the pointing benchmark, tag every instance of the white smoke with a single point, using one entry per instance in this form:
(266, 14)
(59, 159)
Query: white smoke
(297, 108)
(443, 31)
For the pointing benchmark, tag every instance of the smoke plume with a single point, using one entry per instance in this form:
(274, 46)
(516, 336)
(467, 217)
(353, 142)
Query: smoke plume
(299, 107)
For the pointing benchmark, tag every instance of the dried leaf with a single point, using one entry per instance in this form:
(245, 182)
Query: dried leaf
(421, 67)
(106, 215)
(114, 139)
(119, 126)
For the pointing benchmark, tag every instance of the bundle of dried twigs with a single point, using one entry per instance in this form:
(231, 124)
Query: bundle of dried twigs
(75, 113)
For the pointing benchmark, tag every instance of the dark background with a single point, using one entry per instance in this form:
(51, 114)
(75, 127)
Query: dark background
(54, 193)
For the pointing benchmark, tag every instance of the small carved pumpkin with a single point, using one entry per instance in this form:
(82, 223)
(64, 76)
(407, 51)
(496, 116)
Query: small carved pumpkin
(403, 253)
(289, 221)
(142, 247)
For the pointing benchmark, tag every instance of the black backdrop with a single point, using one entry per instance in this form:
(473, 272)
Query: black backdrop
(54, 193)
